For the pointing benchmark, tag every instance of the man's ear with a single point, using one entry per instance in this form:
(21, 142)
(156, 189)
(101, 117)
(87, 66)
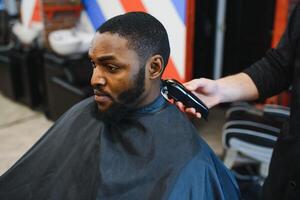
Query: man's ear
(155, 66)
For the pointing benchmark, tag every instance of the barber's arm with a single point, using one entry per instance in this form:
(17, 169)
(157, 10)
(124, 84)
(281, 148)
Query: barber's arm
(268, 76)
(228, 89)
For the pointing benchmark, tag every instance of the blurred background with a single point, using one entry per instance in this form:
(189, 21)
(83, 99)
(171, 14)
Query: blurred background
(44, 68)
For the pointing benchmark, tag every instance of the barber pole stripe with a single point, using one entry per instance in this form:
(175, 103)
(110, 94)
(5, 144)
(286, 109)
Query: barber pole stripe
(30, 12)
(111, 8)
(180, 9)
(36, 14)
(133, 5)
(94, 13)
(86, 23)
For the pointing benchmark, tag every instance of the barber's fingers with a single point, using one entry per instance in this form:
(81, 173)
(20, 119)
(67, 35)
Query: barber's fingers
(195, 84)
(192, 112)
(189, 111)
(180, 106)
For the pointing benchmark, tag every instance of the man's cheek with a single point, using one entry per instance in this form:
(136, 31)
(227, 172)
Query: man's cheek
(119, 94)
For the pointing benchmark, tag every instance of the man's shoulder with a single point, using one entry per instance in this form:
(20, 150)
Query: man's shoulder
(207, 164)
(206, 177)
(173, 122)
(172, 114)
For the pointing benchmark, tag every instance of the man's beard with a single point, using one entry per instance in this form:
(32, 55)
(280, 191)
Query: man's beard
(126, 100)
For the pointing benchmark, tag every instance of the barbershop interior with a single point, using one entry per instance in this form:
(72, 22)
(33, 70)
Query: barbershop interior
(45, 70)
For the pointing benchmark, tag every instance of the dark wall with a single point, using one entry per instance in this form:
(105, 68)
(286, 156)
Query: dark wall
(248, 35)
(4, 27)
(205, 17)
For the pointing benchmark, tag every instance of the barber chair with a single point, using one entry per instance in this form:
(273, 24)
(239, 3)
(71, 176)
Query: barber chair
(250, 133)
(67, 82)
(4, 27)
(8, 74)
(21, 76)
(28, 63)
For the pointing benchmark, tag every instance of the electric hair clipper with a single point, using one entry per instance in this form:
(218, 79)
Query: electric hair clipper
(172, 89)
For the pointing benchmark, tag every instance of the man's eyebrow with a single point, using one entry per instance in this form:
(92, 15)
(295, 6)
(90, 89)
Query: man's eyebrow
(105, 58)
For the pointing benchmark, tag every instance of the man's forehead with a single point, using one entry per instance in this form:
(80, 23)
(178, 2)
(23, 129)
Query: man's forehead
(109, 37)
(111, 44)
(108, 41)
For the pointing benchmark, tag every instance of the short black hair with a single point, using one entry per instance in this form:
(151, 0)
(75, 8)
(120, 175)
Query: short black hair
(144, 33)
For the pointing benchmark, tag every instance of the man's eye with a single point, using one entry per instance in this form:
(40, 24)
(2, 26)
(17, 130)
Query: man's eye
(112, 68)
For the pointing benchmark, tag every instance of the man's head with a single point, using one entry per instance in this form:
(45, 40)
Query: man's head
(129, 53)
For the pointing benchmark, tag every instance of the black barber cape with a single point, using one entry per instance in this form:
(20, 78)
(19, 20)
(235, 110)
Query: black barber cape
(153, 154)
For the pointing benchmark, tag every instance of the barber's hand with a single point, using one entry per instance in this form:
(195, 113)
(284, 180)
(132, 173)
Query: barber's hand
(206, 90)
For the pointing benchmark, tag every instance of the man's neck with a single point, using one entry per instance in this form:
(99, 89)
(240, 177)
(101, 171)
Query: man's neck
(152, 107)
(149, 97)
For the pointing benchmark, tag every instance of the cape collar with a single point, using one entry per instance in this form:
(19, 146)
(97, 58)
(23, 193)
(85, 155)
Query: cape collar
(153, 107)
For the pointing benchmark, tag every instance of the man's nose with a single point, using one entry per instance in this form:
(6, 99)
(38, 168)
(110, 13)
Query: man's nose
(98, 78)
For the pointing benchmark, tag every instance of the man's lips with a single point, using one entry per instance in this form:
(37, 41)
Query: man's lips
(101, 96)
